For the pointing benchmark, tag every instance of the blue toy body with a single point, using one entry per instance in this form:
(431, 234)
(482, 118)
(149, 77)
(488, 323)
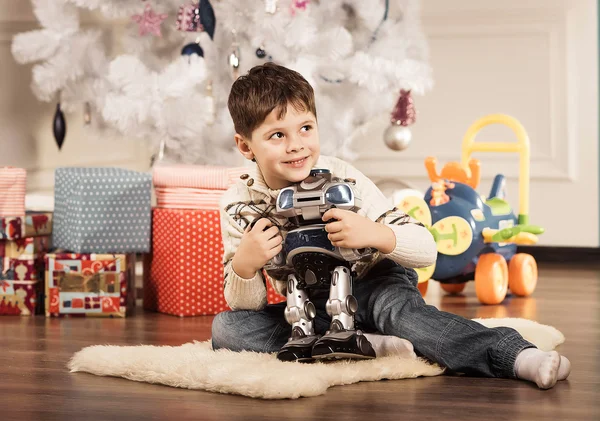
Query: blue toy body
(467, 204)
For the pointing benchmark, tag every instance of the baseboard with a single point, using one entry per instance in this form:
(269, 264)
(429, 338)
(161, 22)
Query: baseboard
(563, 254)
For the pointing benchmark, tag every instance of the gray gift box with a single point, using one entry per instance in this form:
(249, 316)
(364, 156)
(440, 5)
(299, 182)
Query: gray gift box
(102, 210)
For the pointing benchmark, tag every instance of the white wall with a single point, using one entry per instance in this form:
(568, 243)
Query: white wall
(534, 59)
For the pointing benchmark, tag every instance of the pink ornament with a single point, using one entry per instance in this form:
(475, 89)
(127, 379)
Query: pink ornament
(298, 5)
(149, 22)
(404, 113)
(188, 18)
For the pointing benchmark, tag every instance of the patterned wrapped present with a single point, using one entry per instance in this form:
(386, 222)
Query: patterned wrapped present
(12, 191)
(196, 176)
(27, 268)
(98, 285)
(20, 298)
(193, 186)
(33, 224)
(30, 246)
(102, 210)
(186, 276)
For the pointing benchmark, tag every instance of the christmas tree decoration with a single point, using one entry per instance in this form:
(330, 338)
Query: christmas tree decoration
(207, 17)
(298, 5)
(149, 21)
(260, 52)
(398, 136)
(234, 58)
(356, 54)
(192, 48)
(59, 126)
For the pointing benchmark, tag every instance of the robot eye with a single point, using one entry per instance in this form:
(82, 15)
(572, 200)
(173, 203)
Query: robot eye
(286, 199)
(339, 195)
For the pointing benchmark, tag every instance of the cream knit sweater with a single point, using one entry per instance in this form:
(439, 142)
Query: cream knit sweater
(250, 198)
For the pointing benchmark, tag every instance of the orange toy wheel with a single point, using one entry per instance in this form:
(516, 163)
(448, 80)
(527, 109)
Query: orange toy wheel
(522, 274)
(423, 287)
(453, 288)
(491, 278)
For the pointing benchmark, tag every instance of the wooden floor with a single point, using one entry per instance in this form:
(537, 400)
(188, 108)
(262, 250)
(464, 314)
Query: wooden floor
(35, 385)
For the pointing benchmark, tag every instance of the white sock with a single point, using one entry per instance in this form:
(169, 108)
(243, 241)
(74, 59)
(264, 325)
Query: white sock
(542, 368)
(386, 345)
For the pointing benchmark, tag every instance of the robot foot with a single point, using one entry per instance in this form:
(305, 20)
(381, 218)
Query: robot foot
(298, 348)
(340, 344)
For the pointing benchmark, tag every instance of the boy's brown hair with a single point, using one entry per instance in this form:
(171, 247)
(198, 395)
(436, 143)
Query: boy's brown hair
(264, 88)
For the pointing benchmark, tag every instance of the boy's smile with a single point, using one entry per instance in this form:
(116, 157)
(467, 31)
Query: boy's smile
(285, 149)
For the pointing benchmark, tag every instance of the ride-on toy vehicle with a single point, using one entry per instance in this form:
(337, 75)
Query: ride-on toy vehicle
(476, 236)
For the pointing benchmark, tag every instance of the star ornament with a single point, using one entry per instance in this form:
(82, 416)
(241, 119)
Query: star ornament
(149, 21)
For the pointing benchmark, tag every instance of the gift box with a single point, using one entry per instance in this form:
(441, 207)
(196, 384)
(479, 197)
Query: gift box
(30, 246)
(186, 272)
(12, 191)
(20, 298)
(32, 224)
(28, 268)
(102, 210)
(196, 176)
(97, 285)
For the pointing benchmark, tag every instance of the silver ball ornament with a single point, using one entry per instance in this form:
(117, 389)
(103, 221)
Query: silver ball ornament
(397, 137)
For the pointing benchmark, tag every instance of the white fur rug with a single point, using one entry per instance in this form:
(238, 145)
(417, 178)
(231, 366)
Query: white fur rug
(196, 366)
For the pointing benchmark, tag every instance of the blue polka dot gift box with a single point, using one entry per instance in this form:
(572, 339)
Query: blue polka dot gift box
(102, 210)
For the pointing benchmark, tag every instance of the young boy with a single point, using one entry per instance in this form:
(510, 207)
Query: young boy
(275, 119)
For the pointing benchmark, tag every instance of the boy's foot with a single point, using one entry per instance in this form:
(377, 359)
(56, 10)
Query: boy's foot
(542, 368)
(388, 345)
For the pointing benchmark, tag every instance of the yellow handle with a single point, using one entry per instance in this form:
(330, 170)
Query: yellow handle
(521, 146)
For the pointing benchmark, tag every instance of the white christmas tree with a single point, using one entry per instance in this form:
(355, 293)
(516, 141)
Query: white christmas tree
(169, 86)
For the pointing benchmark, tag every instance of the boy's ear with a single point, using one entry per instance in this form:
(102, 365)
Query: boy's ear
(243, 147)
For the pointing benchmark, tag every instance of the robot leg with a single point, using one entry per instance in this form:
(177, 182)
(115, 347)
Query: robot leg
(342, 340)
(300, 312)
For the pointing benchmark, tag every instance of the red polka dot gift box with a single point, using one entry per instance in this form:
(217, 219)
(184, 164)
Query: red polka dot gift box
(90, 285)
(186, 272)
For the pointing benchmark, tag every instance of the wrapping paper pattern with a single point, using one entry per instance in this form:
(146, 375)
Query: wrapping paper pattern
(20, 298)
(33, 224)
(12, 191)
(186, 272)
(195, 176)
(27, 268)
(102, 210)
(187, 198)
(30, 246)
(97, 285)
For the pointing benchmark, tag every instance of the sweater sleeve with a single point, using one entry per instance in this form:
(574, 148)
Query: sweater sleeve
(415, 245)
(240, 293)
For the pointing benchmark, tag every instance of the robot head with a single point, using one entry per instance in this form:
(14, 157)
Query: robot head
(311, 198)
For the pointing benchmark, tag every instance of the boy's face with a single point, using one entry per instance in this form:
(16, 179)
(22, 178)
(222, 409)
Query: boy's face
(285, 150)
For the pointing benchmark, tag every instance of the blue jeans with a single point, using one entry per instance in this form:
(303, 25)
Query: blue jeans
(390, 303)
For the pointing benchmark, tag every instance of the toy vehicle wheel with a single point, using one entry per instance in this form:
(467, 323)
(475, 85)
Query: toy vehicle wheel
(522, 274)
(491, 278)
(454, 288)
(423, 287)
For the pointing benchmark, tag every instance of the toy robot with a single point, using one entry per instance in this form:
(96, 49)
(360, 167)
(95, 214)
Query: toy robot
(316, 263)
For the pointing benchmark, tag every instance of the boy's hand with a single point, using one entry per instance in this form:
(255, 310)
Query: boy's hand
(354, 231)
(259, 245)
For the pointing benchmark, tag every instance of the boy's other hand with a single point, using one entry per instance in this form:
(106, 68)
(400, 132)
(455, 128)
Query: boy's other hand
(260, 243)
(354, 231)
